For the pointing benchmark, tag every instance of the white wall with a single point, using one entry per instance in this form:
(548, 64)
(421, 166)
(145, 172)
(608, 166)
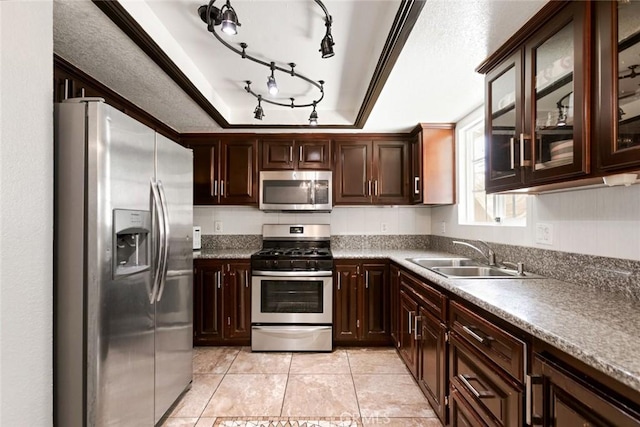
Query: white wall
(26, 214)
(601, 221)
(344, 220)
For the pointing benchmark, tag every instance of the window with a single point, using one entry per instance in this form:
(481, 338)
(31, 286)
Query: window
(477, 207)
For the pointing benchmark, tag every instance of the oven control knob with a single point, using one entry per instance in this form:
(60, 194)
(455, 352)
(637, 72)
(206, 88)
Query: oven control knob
(275, 263)
(314, 264)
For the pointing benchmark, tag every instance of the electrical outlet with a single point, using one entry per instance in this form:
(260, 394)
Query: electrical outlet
(384, 227)
(544, 233)
(217, 226)
(443, 227)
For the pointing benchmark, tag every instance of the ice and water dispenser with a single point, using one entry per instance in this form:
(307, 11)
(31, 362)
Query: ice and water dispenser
(131, 234)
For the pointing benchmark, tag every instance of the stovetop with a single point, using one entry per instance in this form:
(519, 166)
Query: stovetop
(291, 256)
(292, 253)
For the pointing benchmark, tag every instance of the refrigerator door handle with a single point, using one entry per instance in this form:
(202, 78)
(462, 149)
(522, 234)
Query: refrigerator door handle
(167, 237)
(157, 212)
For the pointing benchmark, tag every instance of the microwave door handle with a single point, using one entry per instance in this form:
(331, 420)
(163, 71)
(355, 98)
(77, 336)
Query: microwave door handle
(313, 192)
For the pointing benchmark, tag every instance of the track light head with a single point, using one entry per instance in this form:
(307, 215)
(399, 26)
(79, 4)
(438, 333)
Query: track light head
(326, 45)
(229, 20)
(313, 117)
(258, 113)
(272, 86)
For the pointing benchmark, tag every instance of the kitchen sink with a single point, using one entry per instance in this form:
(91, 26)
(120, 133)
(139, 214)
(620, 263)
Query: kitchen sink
(443, 262)
(467, 268)
(479, 272)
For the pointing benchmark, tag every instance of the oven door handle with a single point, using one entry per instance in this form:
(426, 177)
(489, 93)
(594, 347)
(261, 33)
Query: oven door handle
(291, 273)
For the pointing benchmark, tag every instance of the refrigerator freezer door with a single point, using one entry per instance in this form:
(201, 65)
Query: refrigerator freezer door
(120, 325)
(174, 308)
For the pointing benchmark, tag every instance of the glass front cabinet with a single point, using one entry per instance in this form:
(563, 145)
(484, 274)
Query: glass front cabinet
(618, 40)
(536, 116)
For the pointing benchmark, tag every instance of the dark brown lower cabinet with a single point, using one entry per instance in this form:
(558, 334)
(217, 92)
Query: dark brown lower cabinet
(361, 302)
(494, 397)
(222, 302)
(432, 361)
(408, 344)
(462, 415)
(562, 398)
(422, 339)
(394, 299)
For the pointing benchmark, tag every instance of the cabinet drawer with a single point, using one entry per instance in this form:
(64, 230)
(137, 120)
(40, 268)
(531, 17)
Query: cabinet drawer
(496, 398)
(505, 350)
(435, 301)
(462, 415)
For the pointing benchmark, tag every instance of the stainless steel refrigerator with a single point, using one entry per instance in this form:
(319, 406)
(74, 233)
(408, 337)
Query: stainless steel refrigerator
(123, 268)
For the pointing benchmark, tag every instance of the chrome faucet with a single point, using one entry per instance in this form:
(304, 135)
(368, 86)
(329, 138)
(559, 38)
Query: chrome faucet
(518, 266)
(490, 256)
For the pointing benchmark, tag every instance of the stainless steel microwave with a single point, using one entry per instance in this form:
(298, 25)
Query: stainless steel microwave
(296, 191)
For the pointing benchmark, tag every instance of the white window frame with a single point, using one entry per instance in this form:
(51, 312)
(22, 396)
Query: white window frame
(464, 134)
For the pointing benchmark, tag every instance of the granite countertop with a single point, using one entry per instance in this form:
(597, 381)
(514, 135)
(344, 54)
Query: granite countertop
(602, 329)
(224, 253)
(599, 328)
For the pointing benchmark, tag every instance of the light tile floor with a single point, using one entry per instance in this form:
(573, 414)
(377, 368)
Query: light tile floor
(369, 386)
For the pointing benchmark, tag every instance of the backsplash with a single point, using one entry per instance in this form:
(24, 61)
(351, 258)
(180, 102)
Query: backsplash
(608, 274)
(357, 242)
(360, 220)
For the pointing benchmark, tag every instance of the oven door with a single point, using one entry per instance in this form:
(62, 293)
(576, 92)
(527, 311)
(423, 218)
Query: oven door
(291, 297)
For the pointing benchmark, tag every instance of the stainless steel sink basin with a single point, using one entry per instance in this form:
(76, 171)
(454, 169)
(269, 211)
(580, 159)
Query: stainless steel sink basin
(443, 262)
(467, 268)
(479, 272)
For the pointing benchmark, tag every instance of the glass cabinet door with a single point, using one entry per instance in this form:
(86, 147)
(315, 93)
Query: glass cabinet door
(557, 88)
(618, 28)
(503, 125)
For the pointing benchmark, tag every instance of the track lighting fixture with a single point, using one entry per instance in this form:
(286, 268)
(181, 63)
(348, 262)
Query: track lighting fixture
(326, 45)
(228, 19)
(258, 114)
(313, 117)
(272, 86)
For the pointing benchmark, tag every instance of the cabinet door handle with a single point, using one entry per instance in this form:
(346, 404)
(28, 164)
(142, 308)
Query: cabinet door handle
(530, 381)
(416, 185)
(218, 276)
(523, 138)
(415, 328)
(246, 278)
(215, 187)
(222, 188)
(229, 321)
(358, 323)
(478, 394)
(375, 186)
(410, 322)
(366, 279)
(291, 154)
(511, 152)
(300, 154)
(483, 340)
(339, 280)
(369, 187)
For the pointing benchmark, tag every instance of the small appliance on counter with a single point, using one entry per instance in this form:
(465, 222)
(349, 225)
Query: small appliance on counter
(197, 238)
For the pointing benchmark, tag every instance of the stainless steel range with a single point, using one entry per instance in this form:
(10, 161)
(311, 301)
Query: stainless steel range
(292, 289)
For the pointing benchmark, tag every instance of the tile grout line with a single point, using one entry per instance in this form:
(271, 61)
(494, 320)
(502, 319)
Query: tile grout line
(286, 385)
(353, 382)
(217, 387)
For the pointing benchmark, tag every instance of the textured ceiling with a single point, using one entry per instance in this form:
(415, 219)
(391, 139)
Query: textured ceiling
(433, 80)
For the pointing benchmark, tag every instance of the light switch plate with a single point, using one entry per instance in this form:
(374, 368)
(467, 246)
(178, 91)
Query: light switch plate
(544, 233)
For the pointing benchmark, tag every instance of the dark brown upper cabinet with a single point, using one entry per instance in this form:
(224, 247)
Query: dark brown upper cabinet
(433, 159)
(225, 171)
(618, 42)
(288, 154)
(537, 103)
(371, 172)
(557, 96)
